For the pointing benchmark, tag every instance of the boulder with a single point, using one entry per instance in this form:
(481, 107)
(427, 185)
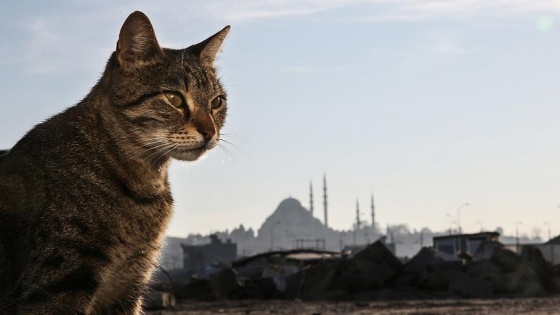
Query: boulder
(488, 270)
(312, 282)
(437, 275)
(468, 286)
(158, 300)
(369, 269)
(421, 261)
(507, 260)
(215, 286)
(538, 274)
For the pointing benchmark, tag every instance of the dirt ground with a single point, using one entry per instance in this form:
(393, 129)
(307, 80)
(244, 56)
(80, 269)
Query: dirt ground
(533, 306)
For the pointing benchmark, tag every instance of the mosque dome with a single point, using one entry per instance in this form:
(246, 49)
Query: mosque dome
(290, 206)
(290, 217)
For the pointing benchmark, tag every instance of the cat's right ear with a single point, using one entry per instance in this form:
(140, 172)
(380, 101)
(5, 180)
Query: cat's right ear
(137, 43)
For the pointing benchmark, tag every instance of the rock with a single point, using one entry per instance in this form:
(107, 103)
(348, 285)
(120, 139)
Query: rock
(538, 274)
(507, 260)
(468, 286)
(215, 286)
(312, 282)
(223, 284)
(368, 270)
(438, 274)
(488, 270)
(158, 300)
(421, 261)
(258, 289)
(415, 267)
(434, 281)
(378, 254)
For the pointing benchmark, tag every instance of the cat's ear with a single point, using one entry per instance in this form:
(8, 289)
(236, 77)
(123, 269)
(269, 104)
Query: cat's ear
(137, 43)
(208, 49)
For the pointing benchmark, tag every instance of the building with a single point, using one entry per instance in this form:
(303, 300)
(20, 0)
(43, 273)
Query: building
(466, 246)
(171, 257)
(197, 256)
(550, 250)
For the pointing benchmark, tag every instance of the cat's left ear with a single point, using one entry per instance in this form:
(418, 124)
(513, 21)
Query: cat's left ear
(137, 43)
(208, 49)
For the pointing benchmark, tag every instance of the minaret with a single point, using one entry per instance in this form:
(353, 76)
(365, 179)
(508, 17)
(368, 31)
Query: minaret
(357, 228)
(325, 200)
(311, 198)
(372, 214)
(358, 215)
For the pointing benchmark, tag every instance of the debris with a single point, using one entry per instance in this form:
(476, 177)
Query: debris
(469, 286)
(158, 300)
(538, 273)
(372, 273)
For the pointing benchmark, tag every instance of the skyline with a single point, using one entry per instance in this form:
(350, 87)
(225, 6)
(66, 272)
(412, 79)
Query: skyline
(426, 104)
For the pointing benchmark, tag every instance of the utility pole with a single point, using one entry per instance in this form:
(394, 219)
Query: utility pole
(459, 217)
(548, 224)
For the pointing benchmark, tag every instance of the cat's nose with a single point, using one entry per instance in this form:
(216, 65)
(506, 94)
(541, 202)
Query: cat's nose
(207, 133)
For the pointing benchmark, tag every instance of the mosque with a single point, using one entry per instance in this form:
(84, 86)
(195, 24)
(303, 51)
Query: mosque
(293, 226)
(290, 226)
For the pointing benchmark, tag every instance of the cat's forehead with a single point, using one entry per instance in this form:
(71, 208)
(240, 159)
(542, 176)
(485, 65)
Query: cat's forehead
(187, 68)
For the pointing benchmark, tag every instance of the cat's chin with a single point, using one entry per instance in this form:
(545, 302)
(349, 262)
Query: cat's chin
(189, 155)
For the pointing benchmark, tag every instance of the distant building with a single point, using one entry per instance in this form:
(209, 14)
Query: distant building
(466, 246)
(196, 256)
(293, 226)
(550, 250)
(171, 257)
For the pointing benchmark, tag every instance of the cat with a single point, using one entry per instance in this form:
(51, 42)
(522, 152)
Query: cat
(84, 196)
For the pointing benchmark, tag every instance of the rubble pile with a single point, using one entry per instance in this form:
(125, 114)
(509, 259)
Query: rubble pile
(372, 273)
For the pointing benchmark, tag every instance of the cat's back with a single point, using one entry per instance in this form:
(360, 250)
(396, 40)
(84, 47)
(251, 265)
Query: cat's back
(35, 166)
(60, 187)
(42, 156)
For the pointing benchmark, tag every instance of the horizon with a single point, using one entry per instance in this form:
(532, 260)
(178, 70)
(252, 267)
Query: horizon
(427, 105)
(382, 230)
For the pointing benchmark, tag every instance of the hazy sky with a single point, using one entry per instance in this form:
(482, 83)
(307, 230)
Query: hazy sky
(427, 104)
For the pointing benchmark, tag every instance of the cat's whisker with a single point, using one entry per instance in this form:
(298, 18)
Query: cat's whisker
(230, 157)
(226, 154)
(229, 151)
(226, 142)
(156, 149)
(158, 152)
(124, 123)
(230, 146)
(237, 137)
(173, 147)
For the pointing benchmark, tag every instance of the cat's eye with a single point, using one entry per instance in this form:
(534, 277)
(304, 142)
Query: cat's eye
(218, 102)
(174, 99)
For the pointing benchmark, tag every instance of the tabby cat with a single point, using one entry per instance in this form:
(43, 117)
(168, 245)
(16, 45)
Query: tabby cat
(84, 196)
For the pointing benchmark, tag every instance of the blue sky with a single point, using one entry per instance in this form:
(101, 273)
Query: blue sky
(427, 104)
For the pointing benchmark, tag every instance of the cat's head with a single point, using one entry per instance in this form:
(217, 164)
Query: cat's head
(169, 102)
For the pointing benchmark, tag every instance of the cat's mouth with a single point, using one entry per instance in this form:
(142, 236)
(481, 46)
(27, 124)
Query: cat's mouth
(193, 154)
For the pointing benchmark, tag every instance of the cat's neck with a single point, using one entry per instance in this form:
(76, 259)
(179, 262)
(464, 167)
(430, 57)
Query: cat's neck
(141, 174)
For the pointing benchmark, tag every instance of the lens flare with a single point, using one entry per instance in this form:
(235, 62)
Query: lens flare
(545, 23)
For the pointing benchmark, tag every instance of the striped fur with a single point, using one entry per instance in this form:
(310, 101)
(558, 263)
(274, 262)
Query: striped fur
(84, 196)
